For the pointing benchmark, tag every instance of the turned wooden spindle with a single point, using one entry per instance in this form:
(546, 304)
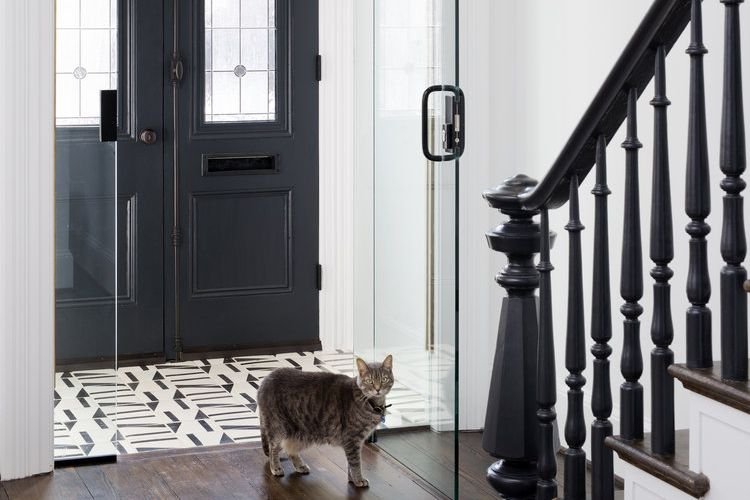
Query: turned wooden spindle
(631, 285)
(602, 465)
(662, 253)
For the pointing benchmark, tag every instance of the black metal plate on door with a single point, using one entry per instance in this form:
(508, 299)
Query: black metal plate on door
(239, 164)
(108, 116)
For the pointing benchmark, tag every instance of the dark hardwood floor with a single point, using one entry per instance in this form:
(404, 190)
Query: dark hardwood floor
(430, 455)
(228, 472)
(240, 471)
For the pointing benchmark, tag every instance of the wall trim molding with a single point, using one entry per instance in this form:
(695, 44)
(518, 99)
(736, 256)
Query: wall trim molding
(336, 142)
(27, 255)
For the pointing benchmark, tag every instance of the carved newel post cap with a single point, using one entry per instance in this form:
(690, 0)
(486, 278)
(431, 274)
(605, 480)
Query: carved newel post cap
(507, 195)
(521, 234)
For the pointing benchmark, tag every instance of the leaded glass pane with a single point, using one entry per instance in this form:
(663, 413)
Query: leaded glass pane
(86, 59)
(240, 60)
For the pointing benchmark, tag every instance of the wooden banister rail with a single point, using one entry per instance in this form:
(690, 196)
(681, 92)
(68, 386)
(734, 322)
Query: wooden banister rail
(661, 26)
(527, 466)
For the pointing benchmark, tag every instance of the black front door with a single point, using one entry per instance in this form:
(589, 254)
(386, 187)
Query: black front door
(217, 159)
(246, 230)
(108, 243)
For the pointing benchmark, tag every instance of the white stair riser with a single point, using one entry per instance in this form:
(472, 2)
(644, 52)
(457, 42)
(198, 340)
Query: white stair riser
(640, 485)
(720, 446)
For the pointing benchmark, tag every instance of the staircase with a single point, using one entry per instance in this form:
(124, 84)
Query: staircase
(709, 460)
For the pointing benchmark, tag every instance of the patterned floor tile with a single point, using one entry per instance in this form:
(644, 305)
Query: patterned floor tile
(197, 403)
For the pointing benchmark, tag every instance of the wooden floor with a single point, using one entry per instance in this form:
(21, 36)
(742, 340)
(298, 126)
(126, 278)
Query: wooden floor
(231, 471)
(430, 455)
(240, 471)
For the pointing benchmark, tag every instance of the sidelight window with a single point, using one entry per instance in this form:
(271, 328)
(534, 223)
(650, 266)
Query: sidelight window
(86, 59)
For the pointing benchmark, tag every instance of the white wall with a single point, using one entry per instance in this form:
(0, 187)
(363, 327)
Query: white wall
(529, 70)
(563, 51)
(26, 226)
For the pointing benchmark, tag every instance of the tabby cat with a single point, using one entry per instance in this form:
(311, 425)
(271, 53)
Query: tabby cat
(298, 409)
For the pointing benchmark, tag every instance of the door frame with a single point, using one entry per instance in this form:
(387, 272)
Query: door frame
(338, 216)
(27, 219)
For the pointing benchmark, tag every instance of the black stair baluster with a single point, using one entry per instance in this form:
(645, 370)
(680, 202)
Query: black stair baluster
(575, 357)
(733, 245)
(602, 466)
(631, 285)
(698, 205)
(546, 392)
(662, 253)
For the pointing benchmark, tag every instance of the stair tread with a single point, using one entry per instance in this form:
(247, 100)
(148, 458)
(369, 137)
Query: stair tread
(674, 470)
(708, 382)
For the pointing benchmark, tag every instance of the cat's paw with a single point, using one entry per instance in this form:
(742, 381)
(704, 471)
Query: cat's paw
(359, 483)
(302, 468)
(276, 470)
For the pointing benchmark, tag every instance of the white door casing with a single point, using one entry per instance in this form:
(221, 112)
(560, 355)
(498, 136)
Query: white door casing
(27, 308)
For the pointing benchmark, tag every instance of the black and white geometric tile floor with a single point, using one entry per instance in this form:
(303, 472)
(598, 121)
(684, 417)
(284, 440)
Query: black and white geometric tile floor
(182, 405)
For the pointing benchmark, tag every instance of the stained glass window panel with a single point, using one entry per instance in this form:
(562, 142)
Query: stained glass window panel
(86, 58)
(240, 60)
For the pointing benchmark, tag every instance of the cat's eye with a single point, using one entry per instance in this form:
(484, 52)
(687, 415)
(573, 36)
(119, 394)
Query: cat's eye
(367, 381)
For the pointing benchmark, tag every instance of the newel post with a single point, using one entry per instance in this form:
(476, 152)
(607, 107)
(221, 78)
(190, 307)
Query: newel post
(511, 427)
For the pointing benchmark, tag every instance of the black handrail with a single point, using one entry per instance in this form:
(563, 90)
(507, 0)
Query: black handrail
(662, 26)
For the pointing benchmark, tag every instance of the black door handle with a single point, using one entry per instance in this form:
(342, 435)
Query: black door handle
(454, 128)
(108, 115)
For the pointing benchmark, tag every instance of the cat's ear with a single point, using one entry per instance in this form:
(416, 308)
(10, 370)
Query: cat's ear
(362, 367)
(388, 362)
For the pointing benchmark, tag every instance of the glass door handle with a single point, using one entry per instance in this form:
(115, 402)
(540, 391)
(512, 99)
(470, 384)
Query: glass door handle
(107, 115)
(453, 126)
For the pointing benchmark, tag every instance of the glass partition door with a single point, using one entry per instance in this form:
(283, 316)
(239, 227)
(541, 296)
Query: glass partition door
(414, 230)
(87, 281)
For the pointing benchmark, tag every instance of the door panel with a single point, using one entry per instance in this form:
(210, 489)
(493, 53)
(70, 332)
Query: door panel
(140, 317)
(107, 215)
(415, 228)
(248, 257)
(249, 265)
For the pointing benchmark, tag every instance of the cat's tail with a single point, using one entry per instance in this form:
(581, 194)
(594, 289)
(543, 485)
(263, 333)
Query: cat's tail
(263, 435)
(264, 440)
